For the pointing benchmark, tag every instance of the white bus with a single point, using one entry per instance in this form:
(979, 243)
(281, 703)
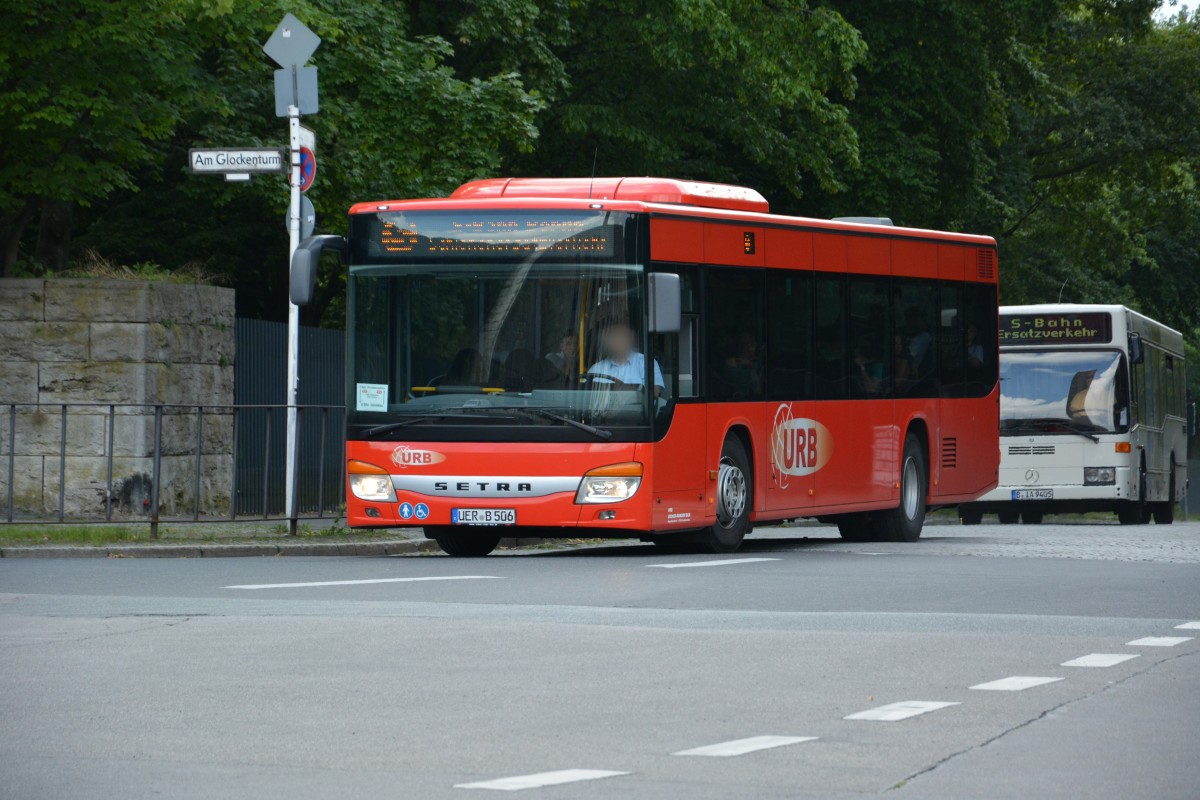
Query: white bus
(1092, 416)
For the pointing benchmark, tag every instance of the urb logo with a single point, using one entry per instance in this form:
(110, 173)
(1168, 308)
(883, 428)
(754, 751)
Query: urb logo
(799, 446)
(405, 456)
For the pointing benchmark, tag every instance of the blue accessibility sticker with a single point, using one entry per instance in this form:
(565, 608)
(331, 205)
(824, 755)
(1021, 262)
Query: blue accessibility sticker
(422, 511)
(406, 511)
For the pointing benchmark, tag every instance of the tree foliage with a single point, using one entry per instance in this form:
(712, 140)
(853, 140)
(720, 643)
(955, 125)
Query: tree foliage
(1065, 128)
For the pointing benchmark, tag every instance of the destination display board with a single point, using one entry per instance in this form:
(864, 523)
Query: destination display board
(1092, 327)
(458, 235)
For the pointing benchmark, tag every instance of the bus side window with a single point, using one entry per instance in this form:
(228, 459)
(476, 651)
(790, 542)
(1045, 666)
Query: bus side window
(829, 356)
(789, 334)
(870, 348)
(733, 328)
(979, 314)
(914, 313)
(678, 354)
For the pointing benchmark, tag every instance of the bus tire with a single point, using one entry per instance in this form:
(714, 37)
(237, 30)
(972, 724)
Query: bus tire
(1135, 512)
(904, 522)
(735, 494)
(468, 543)
(855, 527)
(1164, 512)
(1031, 517)
(969, 516)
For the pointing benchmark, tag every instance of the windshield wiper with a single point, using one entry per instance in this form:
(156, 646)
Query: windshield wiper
(583, 426)
(1074, 428)
(391, 426)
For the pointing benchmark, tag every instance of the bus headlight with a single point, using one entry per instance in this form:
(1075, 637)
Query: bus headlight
(369, 482)
(610, 484)
(1099, 476)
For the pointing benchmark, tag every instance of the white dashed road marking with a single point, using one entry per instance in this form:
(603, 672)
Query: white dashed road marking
(720, 563)
(739, 747)
(540, 779)
(1099, 660)
(1188, 626)
(1159, 641)
(893, 712)
(1016, 683)
(359, 583)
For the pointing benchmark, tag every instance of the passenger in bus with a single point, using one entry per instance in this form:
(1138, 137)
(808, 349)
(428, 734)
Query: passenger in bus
(622, 362)
(466, 369)
(564, 363)
(975, 353)
(867, 370)
(902, 371)
(743, 369)
(919, 341)
(524, 371)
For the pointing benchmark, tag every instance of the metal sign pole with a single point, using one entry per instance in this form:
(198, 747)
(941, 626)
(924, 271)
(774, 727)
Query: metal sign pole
(293, 317)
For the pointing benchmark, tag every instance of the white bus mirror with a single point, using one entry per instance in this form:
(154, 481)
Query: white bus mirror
(662, 289)
(1137, 353)
(303, 275)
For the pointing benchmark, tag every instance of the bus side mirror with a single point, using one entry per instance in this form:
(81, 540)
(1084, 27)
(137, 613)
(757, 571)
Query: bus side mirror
(1136, 353)
(662, 289)
(1191, 417)
(303, 276)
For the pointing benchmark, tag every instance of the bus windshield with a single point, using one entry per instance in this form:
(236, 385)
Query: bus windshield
(1063, 391)
(499, 327)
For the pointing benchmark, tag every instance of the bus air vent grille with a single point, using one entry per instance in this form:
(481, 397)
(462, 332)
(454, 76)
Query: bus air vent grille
(949, 452)
(985, 264)
(1031, 450)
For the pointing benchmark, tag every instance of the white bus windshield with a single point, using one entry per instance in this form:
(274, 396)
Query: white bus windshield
(1063, 391)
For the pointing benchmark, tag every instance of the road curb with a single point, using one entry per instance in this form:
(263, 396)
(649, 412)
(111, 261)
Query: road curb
(377, 548)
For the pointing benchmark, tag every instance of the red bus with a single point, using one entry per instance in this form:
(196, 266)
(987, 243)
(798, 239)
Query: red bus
(658, 359)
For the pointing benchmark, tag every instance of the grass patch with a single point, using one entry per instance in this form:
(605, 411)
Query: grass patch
(88, 535)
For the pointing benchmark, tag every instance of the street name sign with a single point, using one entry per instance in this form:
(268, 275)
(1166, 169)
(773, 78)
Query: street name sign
(216, 160)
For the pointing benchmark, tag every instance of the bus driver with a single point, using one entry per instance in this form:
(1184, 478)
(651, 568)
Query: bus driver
(622, 362)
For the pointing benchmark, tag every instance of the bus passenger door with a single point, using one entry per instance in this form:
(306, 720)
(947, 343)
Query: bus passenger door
(678, 477)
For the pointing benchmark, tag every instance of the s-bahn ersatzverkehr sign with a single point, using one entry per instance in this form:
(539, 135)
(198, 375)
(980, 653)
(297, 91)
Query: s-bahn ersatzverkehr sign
(1093, 327)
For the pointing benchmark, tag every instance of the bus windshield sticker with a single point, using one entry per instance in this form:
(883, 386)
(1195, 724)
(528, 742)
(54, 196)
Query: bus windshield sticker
(1060, 327)
(372, 397)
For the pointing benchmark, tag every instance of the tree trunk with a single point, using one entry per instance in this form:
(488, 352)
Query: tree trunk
(12, 226)
(54, 234)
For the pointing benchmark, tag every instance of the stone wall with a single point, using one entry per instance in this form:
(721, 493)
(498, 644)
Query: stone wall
(110, 351)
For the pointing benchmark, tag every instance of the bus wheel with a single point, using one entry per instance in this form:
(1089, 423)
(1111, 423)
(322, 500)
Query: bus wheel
(468, 543)
(855, 527)
(1164, 512)
(1008, 517)
(1135, 512)
(969, 516)
(1031, 517)
(735, 490)
(903, 523)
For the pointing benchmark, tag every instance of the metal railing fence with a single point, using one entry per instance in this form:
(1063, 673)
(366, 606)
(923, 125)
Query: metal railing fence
(153, 463)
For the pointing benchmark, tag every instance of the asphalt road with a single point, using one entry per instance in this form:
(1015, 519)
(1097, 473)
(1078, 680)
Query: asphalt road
(602, 667)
